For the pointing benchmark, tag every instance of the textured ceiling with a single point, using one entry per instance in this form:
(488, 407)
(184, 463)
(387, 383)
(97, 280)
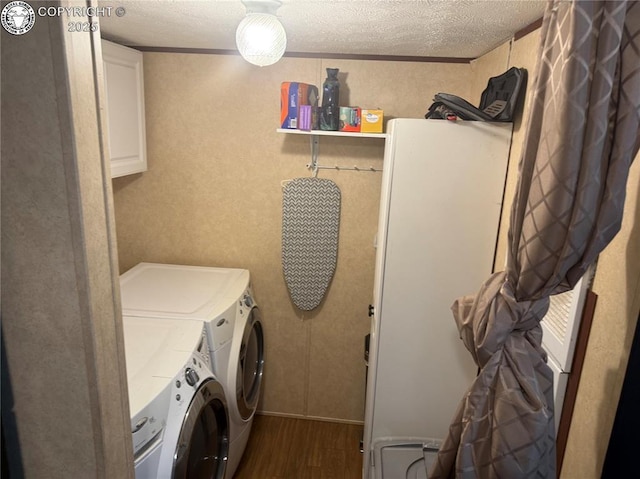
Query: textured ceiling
(425, 28)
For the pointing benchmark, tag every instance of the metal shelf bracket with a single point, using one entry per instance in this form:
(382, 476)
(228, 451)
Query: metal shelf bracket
(315, 145)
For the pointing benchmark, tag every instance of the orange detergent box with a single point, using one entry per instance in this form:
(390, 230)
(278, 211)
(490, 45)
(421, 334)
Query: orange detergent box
(292, 96)
(371, 121)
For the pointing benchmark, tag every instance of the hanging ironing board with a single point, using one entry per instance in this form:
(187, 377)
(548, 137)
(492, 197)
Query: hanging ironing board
(310, 226)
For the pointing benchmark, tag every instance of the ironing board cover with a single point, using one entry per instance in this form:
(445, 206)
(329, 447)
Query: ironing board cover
(310, 226)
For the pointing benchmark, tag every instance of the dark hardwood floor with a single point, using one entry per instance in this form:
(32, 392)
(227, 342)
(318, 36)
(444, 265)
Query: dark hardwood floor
(294, 448)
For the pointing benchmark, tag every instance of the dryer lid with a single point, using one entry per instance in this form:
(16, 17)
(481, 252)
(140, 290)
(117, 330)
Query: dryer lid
(175, 291)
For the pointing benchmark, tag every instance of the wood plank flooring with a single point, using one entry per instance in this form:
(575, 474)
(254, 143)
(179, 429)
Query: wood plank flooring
(291, 448)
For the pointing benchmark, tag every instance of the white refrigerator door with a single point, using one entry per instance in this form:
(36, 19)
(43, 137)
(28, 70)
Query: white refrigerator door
(440, 207)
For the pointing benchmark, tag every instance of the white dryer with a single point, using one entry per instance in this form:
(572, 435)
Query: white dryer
(179, 416)
(223, 299)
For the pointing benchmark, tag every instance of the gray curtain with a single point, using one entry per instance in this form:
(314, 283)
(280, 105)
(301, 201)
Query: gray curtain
(581, 140)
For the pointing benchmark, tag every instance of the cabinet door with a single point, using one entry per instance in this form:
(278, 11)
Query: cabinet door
(124, 89)
(561, 324)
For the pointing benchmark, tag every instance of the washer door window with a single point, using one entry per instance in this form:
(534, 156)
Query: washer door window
(250, 365)
(203, 444)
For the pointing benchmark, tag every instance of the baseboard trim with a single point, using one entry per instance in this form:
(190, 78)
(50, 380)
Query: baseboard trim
(310, 418)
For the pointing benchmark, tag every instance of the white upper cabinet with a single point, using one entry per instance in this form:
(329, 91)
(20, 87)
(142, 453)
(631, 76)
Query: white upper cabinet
(124, 87)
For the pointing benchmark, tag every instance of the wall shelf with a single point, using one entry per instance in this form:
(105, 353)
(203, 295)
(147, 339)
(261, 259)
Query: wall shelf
(355, 134)
(315, 142)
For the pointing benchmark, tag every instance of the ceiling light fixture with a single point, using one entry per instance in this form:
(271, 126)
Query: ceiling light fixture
(260, 36)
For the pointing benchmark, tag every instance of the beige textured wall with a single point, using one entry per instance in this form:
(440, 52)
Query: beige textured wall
(616, 282)
(522, 54)
(213, 196)
(61, 324)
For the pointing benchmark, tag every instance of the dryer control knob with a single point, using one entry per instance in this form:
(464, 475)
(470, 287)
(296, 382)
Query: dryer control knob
(191, 376)
(248, 300)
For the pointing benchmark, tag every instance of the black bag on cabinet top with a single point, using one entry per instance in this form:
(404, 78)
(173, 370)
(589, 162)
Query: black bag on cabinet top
(497, 103)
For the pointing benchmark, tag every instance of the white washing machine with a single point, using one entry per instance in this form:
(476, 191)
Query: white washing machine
(179, 415)
(223, 299)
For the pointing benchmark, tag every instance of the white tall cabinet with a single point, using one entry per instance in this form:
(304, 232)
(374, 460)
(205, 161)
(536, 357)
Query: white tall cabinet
(442, 189)
(124, 86)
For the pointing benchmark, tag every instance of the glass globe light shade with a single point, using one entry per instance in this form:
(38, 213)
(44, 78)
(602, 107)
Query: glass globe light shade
(261, 39)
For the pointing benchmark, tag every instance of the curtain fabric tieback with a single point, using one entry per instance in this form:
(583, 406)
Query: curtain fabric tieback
(510, 404)
(486, 320)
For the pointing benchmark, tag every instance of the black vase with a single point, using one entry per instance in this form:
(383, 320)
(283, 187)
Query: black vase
(330, 109)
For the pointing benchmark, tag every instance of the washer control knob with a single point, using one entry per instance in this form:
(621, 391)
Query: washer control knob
(191, 376)
(248, 301)
(139, 425)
